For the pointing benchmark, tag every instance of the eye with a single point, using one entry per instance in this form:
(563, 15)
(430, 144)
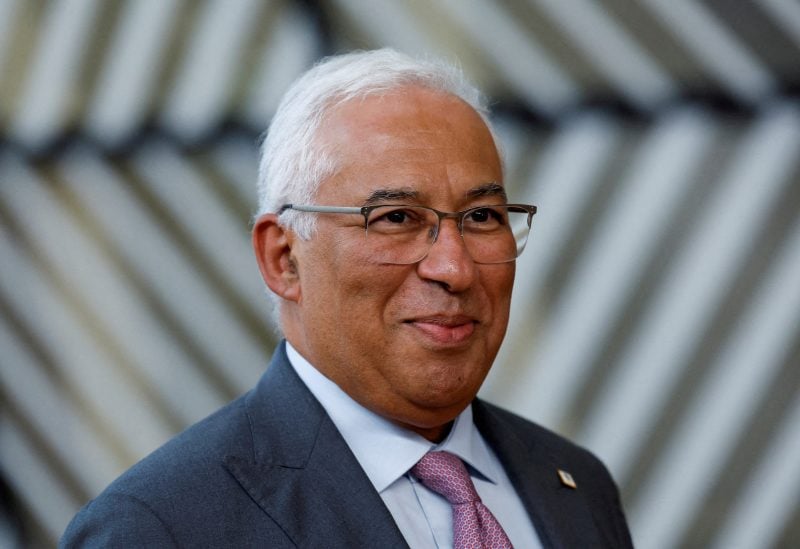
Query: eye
(395, 219)
(480, 216)
(396, 216)
(486, 216)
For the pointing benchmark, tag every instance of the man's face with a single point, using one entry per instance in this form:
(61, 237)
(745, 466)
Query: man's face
(412, 343)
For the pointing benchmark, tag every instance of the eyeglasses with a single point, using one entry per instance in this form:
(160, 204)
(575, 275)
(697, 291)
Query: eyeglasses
(402, 235)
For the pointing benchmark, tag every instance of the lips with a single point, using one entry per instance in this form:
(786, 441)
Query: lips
(447, 330)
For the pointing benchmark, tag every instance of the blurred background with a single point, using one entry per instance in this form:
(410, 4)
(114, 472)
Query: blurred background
(657, 308)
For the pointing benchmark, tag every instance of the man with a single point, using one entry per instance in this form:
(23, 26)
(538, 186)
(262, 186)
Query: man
(387, 240)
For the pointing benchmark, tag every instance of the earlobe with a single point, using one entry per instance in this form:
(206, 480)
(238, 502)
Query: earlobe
(272, 245)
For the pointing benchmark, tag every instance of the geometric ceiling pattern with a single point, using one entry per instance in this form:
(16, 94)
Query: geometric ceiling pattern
(656, 314)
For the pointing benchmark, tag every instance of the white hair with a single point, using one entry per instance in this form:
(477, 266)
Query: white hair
(293, 165)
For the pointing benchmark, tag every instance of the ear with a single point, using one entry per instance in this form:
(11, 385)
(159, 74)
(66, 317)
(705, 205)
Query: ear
(273, 248)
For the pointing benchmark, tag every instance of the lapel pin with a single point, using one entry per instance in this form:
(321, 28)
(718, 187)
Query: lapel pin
(566, 479)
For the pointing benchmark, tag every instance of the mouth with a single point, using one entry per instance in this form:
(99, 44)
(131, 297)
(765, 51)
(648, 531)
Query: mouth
(445, 330)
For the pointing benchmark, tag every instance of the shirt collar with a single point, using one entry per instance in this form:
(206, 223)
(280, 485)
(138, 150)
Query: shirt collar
(385, 450)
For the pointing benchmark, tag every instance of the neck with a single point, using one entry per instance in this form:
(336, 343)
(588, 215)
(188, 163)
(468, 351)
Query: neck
(433, 434)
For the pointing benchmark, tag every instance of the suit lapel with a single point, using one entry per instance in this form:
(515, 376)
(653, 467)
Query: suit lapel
(562, 516)
(302, 473)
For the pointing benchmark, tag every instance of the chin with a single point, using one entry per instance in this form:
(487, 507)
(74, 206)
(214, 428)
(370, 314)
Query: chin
(433, 418)
(447, 394)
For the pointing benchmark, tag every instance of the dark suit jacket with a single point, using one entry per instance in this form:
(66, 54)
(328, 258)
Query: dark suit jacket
(271, 470)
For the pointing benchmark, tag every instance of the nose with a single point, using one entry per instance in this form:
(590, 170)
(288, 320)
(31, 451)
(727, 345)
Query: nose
(448, 262)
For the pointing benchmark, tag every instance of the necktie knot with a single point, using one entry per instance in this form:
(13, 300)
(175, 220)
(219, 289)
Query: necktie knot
(446, 474)
(474, 526)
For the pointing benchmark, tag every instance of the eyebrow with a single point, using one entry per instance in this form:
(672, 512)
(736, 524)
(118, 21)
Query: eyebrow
(489, 189)
(385, 195)
(380, 196)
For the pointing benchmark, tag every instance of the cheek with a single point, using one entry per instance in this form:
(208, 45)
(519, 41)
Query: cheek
(351, 293)
(498, 285)
(377, 302)
(502, 286)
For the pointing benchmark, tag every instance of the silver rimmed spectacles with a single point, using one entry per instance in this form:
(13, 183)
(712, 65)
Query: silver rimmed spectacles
(402, 235)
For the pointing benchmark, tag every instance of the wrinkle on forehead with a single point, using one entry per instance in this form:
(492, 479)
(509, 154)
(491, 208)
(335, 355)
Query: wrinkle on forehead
(417, 147)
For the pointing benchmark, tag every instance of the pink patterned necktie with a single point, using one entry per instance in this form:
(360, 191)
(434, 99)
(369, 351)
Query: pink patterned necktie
(474, 526)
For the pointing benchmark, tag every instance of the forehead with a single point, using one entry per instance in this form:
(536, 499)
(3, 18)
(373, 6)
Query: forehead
(415, 139)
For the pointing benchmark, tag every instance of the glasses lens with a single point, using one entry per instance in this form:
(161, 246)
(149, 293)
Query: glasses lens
(403, 235)
(400, 234)
(496, 234)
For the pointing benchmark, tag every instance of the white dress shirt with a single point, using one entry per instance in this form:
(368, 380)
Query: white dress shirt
(386, 452)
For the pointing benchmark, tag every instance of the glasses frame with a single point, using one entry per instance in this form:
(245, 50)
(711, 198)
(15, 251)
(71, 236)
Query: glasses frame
(457, 216)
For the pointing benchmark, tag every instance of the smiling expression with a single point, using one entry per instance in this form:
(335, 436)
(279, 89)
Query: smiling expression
(412, 343)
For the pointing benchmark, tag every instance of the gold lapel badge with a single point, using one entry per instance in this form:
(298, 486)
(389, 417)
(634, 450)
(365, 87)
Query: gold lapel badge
(566, 479)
